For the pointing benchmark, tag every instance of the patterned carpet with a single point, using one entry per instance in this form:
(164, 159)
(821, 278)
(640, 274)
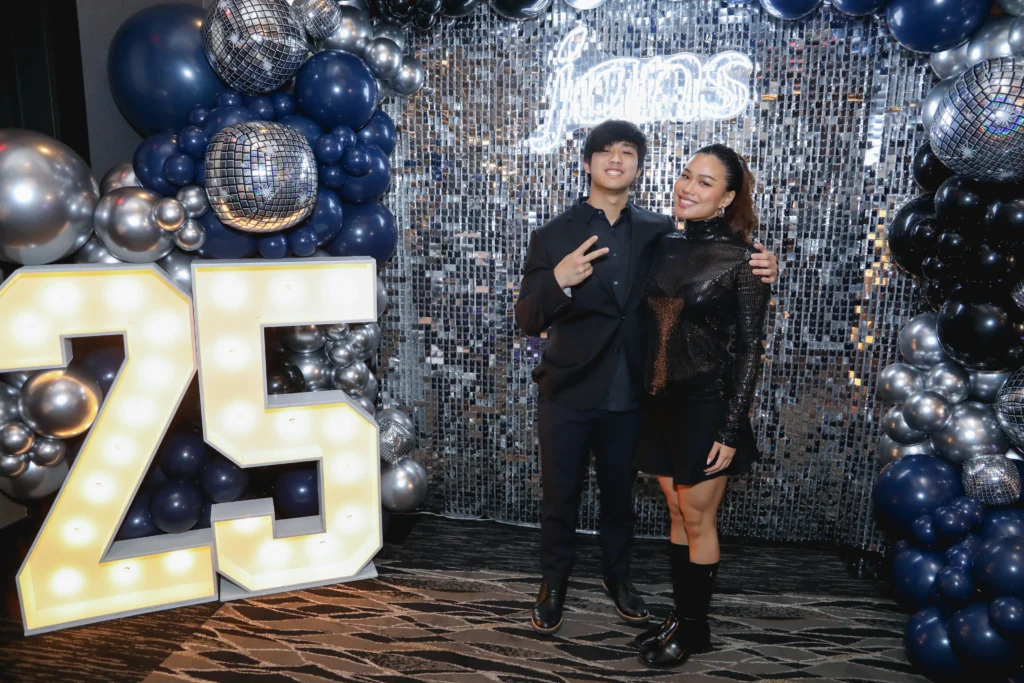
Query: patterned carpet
(451, 604)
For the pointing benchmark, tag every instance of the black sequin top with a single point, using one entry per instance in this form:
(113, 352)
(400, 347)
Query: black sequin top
(705, 311)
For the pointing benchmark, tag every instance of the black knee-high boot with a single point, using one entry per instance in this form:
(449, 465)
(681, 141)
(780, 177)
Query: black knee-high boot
(692, 635)
(679, 556)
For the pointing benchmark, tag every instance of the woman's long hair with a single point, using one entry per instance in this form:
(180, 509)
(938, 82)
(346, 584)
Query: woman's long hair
(740, 215)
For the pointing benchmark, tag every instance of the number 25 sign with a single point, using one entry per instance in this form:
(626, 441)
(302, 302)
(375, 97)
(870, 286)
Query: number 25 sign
(75, 573)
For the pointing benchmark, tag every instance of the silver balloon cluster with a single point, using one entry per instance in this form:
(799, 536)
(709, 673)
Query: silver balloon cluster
(380, 47)
(942, 409)
(403, 485)
(397, 435)
(992, 479)
(38, 412)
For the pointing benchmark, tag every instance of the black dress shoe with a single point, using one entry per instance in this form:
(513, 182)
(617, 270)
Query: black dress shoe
(628, 602)
(547, 612)
(690, 637)
(655, 635)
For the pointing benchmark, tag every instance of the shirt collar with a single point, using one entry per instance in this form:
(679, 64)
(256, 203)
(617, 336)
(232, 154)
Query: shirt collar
(589, 211)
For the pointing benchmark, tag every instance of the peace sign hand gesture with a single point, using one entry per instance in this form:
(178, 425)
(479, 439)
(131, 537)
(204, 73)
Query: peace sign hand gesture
(577, 267)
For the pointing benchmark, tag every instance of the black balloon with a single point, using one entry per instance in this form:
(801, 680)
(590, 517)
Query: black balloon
(955, 250)
(183, 455)
(223, 481)
(961, 203)
(936, 292)
(934, 268)
(297, 493)
(900, 234)
(979, 334)
(423, 14)
(459, 8)
(929, 171)
(990, 263)
(283, 377)
(176, 507)
(1004, 222)
(925, 235)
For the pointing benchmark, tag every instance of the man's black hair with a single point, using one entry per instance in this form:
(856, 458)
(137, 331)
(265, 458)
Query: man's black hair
(606, 134)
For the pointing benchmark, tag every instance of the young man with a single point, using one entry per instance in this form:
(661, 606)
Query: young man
(584, 273)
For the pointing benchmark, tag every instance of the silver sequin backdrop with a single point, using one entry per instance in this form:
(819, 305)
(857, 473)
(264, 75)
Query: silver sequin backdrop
(830, 128)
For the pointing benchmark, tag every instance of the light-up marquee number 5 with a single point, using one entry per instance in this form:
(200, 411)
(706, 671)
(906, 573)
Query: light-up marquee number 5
(74, 572)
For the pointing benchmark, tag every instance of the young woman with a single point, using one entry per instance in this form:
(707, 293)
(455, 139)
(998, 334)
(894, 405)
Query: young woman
(705, 313)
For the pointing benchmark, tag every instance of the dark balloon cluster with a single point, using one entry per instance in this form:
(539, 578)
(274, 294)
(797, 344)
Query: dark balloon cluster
(965, 240)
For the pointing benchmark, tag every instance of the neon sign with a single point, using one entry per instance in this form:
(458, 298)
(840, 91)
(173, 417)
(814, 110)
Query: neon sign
(680, 87)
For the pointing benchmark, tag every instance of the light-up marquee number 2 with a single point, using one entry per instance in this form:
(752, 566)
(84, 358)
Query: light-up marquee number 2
(74, 572)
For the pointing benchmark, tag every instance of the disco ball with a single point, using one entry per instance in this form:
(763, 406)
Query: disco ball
(254, 45)
(260, 176)
(992, 480)
(1018, 294)
(320, 18)
(397, 435)
(979, 124)
(1010, 408)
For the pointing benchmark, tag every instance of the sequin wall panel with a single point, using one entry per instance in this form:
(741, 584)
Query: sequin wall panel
(829, 128)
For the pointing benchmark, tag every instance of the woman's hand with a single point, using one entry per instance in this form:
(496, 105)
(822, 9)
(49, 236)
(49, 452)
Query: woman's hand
(724, 454)
(765, 264)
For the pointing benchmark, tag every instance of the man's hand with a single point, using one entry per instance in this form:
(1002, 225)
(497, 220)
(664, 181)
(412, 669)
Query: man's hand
(576, 267)
(764, 264)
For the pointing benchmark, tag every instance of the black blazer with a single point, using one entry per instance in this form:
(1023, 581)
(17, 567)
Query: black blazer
(587, 328)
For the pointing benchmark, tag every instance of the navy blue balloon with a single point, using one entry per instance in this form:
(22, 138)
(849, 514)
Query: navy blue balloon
(859, 8)
(225, 242)
(201, 172)
(1006, 615)
(935, 25)
(973, 508)
(309, 128)
(366, 230)
(328, 149)
(156, 477)
(1000, 567)
(284, 104)
(790, 9)
(157, 69)
(913, 574)
(104, 364)
(371, 185)
(356, 161)
(955, 585)
(183, 455)
(336, 88)
(296, 493)
(229, 98)
(222, 117)
(924, 533)
(926, 640)
(379, 131)
(332, 176)
(198, 115)
(193, 141)
(222, 481)
(204, 516)
(179, 170)
(263, 106)
(951, 522)
(345, 135)
(1000, 523)
(274, 246)
(138, 522)
(302, 241)
(148, 162)
(912, 486)
(326, 219)
(964, 553)
(976, 643)
(176, 506)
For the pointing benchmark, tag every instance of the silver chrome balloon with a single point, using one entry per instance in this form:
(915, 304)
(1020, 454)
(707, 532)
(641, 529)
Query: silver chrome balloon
(191, 236)
(977, 130)
(256, 46)
(403, 486)
(193, 198)
(302, 338)
(919, 341)
(991, 41)
(13, 465)
(260, 176)
(410, 77)
(393, 32)
(397, 435)
(1016, 38)
(169, 214)
(47, 452)
(926, 411)
(354, 4)
(341, 353)
(93, 251)
(985, 386)
(47, 196)
(124, 222)
(315, 369)
(585, 4)
(335, 332)
(352, 378)
(898, 381)
(992, 480)
(353, 34)
(178, 265)
(122, 175)
(972, 430)
(897, 429)
(60, 403)
(950, 380)
(932, 100)
(365, 339)
(16, 439)
(320, 18)
(35, 482)
(383, 57)
(382, 298)
(371, 388)
(951, 62)
(16, 379)
(365, 403)
(9, 403)
(1012, 7)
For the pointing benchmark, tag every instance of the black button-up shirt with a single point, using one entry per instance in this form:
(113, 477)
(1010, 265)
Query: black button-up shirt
(614, 268)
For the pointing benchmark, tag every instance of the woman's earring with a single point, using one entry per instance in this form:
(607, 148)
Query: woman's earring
(721, 211)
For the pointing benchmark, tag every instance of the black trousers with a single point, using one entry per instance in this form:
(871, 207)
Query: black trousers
(567, 437)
